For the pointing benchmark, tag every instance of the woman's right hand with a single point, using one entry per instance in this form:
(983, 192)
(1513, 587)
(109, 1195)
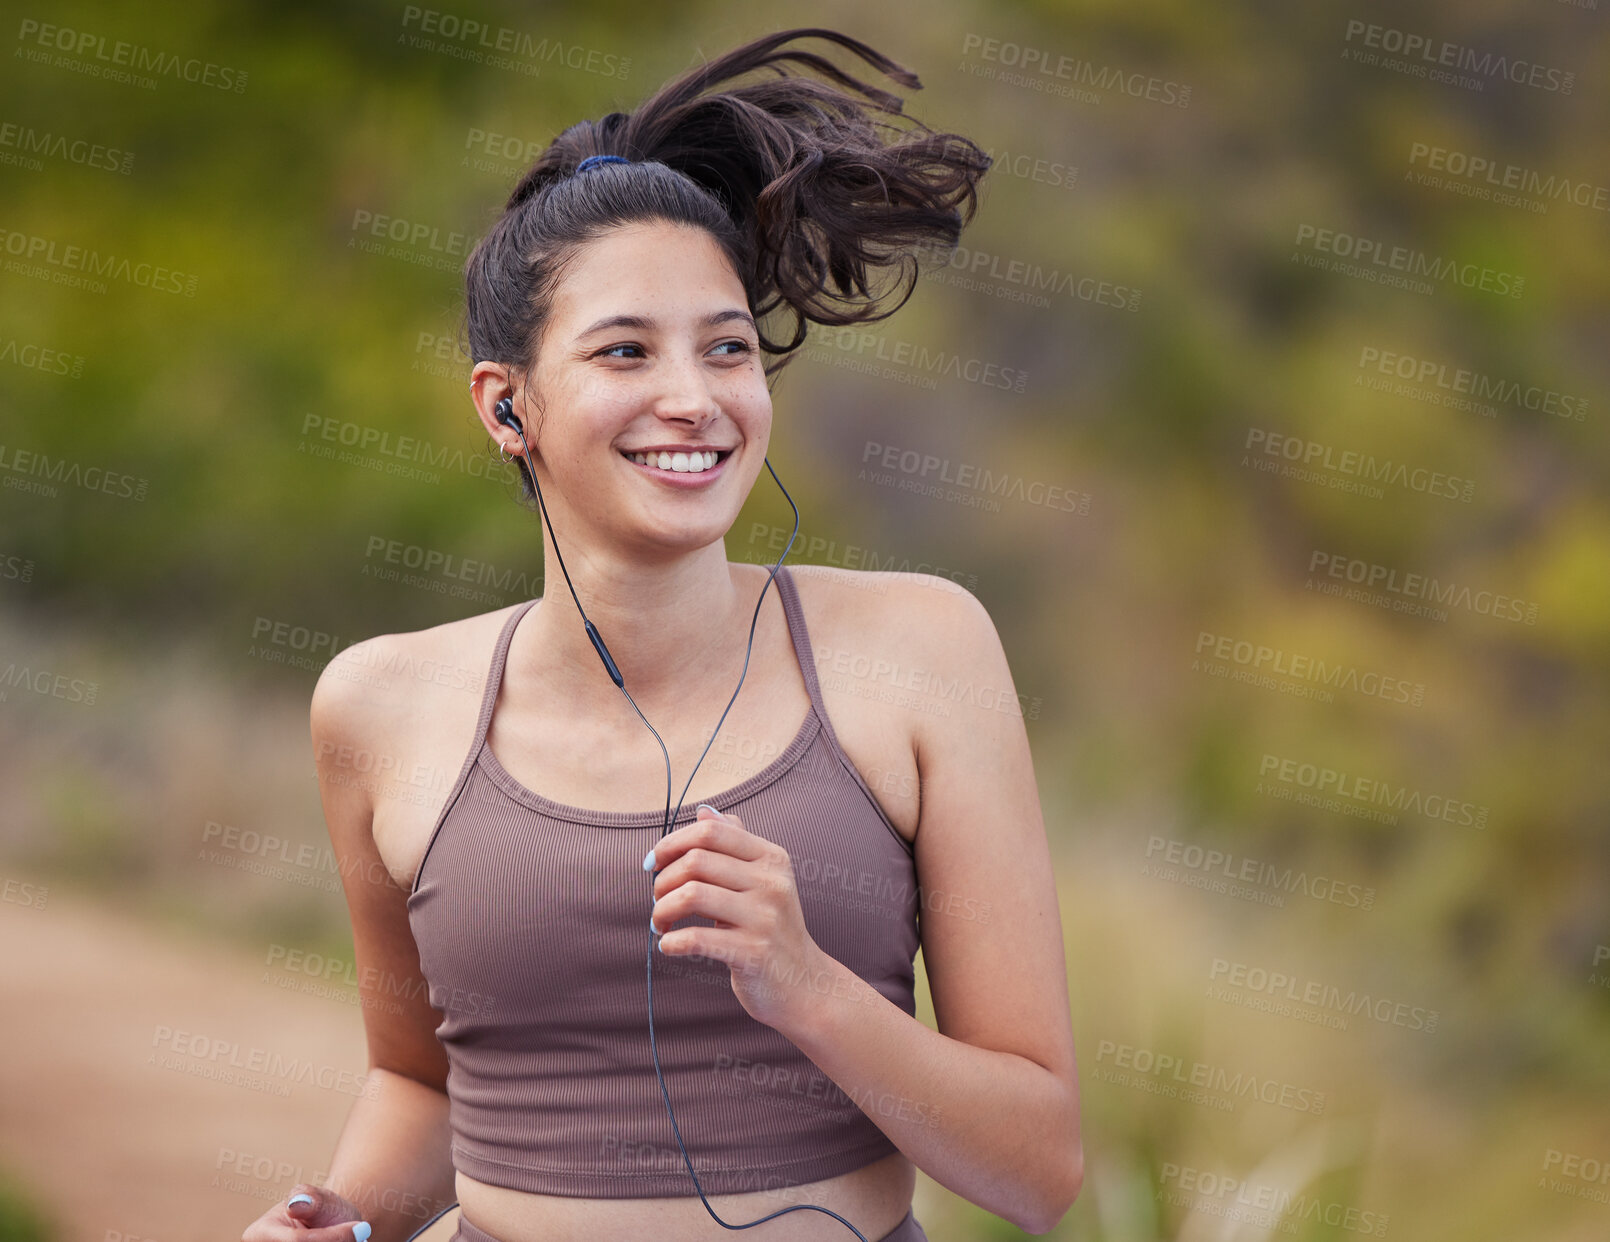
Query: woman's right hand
(311, 1214)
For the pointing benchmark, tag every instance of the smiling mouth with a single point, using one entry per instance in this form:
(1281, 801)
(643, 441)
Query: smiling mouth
(680, 463)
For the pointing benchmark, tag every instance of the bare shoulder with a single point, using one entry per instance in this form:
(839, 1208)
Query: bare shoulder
(872, 589)
(924, 616)
(378, 686)
(913, 653)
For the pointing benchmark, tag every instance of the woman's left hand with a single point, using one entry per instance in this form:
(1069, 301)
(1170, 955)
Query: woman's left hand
(718, 869)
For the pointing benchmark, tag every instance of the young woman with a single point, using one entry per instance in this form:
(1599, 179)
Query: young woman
(854, 802)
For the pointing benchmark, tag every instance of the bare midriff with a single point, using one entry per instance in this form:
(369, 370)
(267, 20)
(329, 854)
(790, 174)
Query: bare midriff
(874, 1199)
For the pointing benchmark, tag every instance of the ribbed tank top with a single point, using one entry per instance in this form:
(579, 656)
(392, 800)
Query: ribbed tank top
(532, 923)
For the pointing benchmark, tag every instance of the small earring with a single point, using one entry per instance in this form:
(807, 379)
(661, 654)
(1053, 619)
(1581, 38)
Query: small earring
(503, 451)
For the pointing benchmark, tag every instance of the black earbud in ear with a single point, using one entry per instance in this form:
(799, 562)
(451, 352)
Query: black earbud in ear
(504, 411)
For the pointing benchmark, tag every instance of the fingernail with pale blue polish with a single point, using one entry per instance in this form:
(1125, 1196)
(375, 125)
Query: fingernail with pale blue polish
(705, 806)
(360, 1231)
(299, 1199)
(651, 926)
(648, 861)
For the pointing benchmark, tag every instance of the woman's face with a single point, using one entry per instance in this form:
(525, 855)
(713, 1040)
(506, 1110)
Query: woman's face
(649, 349)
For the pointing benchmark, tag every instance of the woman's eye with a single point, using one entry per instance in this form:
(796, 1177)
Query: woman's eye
(739, 347)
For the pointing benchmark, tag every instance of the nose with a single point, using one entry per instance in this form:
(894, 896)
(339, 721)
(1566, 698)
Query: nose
(686, 395)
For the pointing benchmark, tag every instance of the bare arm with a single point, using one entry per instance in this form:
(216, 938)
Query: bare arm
(988, 1105)
(392, 1158)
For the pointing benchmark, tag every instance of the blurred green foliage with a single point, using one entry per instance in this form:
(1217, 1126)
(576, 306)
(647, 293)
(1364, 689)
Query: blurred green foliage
(296, 336)
(21, 1220)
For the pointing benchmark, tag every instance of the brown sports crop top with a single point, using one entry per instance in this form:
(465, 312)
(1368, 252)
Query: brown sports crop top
(532, 923)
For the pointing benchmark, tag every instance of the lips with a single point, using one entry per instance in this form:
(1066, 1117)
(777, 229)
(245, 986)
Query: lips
(693, 460)
(669, 476)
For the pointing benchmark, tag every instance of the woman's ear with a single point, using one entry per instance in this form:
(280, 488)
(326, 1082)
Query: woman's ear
(491, 383)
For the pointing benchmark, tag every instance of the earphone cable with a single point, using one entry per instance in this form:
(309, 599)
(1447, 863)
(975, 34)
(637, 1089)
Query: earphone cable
(666, 826)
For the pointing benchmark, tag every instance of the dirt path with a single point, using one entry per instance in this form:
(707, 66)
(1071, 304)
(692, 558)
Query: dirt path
(129, 1108)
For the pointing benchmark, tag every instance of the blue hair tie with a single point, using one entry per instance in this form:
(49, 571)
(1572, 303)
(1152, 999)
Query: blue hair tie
(592, 161)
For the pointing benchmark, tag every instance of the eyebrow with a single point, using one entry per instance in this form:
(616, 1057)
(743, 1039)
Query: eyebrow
(642, 324)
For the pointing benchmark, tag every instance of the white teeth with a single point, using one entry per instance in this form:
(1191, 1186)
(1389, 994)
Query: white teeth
(681, 463)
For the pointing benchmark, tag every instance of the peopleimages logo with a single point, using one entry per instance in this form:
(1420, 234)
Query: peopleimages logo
(42, 358)
(1571, 1164)
(1440, 60)
(1503, 183)
(502, 47)
(1324, 781)
(1206, 867)
(1259, 981)
(1177, 1075)
(76, 266)
(1265, 1204)
(1032, 280)
(88, 52)
(32, 471)
(1459, 387)
(1374, 260)
(1348, 466)
(1375, 579)
(21, 144)
(909, 361)
(979, 480)
(1046, 70)
(1275, 661)
(1032, 168)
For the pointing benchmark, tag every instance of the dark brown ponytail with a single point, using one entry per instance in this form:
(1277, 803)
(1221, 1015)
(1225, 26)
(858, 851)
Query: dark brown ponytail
(805, 185)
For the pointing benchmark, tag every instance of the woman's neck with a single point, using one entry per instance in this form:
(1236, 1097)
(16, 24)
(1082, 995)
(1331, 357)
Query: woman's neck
(671, 626)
